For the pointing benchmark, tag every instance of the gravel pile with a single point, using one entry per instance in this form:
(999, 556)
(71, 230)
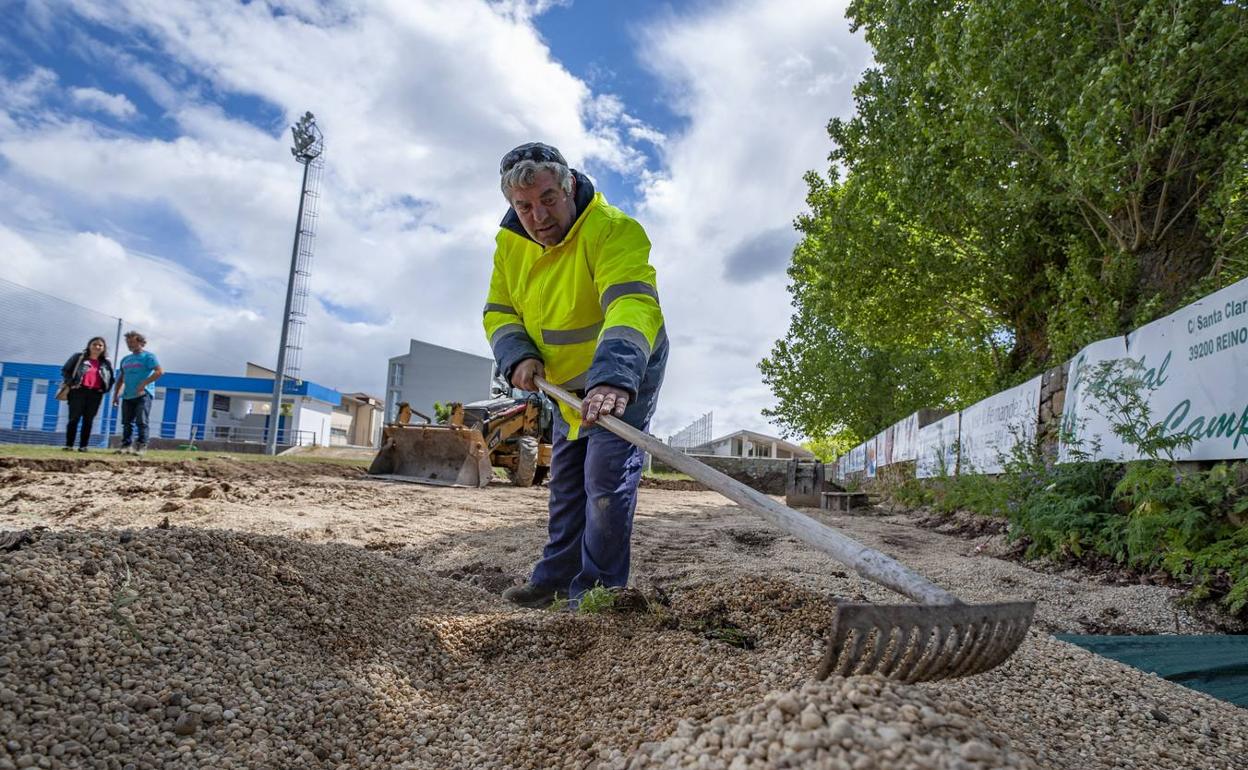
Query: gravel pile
(187, 648)
(857, 723)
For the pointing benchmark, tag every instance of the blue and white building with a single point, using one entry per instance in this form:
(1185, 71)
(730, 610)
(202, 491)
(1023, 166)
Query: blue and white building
(187, 407)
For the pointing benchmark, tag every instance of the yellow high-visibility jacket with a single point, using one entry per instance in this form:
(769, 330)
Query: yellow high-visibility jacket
(588, 307)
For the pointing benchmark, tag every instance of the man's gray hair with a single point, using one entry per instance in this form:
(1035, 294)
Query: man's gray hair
(524, 174)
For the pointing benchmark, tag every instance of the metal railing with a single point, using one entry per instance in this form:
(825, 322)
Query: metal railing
(39, 429)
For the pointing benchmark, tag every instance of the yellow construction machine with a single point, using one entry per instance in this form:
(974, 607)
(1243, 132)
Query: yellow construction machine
(509, 433)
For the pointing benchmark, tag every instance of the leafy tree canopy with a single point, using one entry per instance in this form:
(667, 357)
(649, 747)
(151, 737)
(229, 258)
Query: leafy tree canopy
(1020, 178)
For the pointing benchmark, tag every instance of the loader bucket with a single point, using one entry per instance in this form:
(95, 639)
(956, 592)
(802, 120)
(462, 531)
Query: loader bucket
(445, 455)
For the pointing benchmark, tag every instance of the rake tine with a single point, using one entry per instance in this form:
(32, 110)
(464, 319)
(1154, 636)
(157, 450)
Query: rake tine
(850, 659)
(969, 637)
(1012, 634)
(1016, 632)
(905, 636)
(930, 653)
(884, 642)
(983, 647)
(913, 643)
(981, 636)
(913, 654)
(953, 649)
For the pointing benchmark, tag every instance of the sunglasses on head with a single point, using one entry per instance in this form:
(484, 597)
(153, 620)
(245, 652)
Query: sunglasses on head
(534, 151)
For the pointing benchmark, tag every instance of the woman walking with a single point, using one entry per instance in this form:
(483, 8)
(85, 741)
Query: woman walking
(89, 375)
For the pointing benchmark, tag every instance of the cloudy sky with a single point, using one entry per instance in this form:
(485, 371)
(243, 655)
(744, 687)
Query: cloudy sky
(145, 169)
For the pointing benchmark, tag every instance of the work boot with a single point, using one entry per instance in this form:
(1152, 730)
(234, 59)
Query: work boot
(537, 597)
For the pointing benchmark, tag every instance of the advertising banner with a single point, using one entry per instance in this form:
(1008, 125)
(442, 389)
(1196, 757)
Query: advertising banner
(884, 447)
(857, 462)
(872, 457)
(1086, 434)
(937, 450)
(1192, 368)
(991, 428)
(1194, 365)
(905, 439)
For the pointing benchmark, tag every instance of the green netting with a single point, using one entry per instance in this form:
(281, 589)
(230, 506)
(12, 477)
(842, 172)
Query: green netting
(1216, 665)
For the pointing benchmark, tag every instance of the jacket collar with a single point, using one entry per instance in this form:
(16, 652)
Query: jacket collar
(584, 196)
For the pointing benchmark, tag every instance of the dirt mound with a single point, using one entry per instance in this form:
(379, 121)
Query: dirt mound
(195, 648)
(203, 466)
(963, 524)
(676, 485)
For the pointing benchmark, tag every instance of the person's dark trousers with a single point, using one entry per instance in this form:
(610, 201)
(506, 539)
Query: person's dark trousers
(83, 404)
(134, 414)
(593, 493)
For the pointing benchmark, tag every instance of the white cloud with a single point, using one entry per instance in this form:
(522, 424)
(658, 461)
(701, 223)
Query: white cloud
(116, 105)
(757, 82)
(418, 101)
(23, 94)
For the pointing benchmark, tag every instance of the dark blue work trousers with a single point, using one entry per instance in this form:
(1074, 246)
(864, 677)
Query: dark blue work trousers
(593, 493)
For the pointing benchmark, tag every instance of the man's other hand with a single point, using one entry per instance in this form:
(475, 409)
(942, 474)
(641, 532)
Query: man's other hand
(522, 376)
(602, 400)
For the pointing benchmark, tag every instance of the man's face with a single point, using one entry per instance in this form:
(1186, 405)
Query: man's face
(545, 210)
(134, 344)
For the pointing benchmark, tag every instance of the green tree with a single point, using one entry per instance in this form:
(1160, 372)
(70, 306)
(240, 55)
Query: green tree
(1020, 178)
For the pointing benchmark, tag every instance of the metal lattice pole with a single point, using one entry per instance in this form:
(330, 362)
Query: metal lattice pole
(308, 147)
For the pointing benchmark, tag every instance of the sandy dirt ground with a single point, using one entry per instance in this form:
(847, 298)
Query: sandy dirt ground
(1052, 704)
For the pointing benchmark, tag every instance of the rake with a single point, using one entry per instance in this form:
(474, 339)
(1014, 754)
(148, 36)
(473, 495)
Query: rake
(941, 637)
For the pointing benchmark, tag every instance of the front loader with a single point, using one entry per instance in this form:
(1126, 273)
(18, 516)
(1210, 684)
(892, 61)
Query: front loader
(504, 432)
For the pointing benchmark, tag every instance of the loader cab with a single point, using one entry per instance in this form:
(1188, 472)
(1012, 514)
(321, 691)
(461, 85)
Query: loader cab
(501, 389)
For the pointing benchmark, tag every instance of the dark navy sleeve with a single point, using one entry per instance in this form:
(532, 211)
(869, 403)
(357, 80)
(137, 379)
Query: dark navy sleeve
(512, 348)
(620, 363)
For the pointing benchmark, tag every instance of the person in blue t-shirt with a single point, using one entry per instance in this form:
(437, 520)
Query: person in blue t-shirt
(136, 375)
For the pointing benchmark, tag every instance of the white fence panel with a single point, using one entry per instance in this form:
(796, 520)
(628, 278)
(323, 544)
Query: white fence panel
(906, 439)
(1085, 431)
(1195, 364)
(937, 447)
(992, 427)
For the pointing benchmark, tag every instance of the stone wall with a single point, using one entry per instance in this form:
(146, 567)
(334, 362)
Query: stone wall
(765, 474)
(1052, 401)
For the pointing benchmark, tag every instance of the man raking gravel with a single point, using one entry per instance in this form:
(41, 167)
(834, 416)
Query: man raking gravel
(573, 298)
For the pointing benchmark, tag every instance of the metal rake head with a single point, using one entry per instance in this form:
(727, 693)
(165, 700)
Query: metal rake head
(923, 642)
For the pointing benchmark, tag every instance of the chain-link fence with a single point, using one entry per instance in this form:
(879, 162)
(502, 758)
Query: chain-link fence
(40, 333)
(694, 436)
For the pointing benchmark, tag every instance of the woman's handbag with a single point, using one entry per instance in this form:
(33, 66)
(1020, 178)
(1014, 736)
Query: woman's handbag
(62, 392)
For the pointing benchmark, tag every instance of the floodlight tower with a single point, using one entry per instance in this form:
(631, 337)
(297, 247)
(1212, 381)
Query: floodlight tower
(308, 149)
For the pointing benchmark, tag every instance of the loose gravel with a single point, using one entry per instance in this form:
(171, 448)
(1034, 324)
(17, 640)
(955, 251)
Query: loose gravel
(856, 723)
(189, 647)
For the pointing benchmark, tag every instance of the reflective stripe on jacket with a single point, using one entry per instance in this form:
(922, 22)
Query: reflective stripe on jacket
(588, 307)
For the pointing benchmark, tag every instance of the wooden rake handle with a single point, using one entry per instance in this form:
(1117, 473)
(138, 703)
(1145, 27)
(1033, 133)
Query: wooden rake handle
(869, 563)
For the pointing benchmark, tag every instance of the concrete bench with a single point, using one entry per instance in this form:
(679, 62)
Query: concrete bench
(844, 501)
